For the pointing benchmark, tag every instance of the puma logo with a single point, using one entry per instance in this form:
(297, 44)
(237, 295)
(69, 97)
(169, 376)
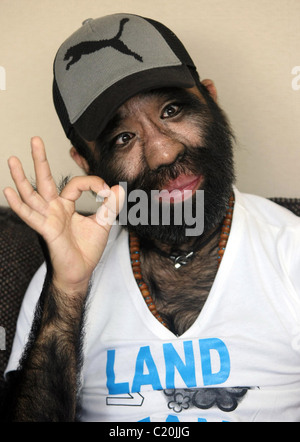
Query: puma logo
(88, 47)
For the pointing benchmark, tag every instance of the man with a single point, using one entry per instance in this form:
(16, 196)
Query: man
(147, 321)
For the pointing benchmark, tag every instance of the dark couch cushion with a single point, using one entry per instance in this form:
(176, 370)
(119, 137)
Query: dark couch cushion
(20, 257)
(293, 204)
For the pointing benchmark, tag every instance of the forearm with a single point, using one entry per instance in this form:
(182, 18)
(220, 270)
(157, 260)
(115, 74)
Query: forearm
(46, 385)
(48, 381)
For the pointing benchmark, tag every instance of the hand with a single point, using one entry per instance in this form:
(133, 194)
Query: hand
(75, 242)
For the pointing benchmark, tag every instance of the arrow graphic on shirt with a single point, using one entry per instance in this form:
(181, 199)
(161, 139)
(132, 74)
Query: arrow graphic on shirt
(126, 400)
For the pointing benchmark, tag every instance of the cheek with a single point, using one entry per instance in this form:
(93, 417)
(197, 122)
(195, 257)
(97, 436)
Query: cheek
(190, 134)
(127, 166)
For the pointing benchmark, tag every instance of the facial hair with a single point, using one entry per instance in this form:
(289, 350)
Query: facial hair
(213, 159)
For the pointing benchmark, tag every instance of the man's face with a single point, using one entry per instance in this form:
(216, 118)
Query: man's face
(164, 140)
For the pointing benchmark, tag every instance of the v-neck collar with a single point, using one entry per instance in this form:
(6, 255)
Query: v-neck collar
(210, 306)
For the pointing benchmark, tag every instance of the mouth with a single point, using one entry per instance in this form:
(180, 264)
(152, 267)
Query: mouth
(180, 189)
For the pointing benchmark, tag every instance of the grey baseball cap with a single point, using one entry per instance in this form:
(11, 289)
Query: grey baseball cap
(109, 60)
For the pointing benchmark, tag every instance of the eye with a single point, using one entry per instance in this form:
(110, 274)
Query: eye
(171, 110)
(123, 139)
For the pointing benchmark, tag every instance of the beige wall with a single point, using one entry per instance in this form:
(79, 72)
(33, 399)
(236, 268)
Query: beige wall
(249, 47)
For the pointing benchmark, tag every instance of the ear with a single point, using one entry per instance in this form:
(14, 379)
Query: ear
(79, 160)
(210, 86)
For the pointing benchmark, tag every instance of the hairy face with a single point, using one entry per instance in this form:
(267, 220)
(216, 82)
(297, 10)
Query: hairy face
(164, 140)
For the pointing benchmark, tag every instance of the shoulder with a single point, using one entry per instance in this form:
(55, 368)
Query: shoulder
(266, 211)
(272, 226)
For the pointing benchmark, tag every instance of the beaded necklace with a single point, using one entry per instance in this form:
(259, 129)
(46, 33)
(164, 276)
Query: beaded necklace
(134, 247)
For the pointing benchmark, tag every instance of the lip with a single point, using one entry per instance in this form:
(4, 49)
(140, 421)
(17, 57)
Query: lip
(181, 188)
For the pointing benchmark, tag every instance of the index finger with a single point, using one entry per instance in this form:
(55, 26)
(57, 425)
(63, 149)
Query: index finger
(73, 190)
(45, 183)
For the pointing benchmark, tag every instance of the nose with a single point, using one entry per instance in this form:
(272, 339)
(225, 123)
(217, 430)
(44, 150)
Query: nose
(162, 149)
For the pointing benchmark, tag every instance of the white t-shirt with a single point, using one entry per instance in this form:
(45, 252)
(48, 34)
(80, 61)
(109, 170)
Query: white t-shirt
(239, 361)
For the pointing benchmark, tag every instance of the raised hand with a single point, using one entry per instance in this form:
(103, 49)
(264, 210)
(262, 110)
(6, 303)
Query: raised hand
(75, 242)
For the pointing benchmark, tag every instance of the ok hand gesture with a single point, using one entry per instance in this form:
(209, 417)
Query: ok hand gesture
(75, 242)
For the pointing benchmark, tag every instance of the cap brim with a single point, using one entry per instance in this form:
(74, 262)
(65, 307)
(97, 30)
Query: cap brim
(95, 118)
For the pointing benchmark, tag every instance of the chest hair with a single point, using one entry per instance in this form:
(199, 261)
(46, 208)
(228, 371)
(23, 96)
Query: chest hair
(180, 294)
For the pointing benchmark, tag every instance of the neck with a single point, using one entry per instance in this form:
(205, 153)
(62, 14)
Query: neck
(184, 253)
(191, 244)
(175, 297)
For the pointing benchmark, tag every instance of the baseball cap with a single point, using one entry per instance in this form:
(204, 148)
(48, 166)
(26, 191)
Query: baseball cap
(109, 60)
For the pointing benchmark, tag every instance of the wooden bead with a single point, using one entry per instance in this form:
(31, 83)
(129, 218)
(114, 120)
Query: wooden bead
(225, 229)
(145, 292)
(149, 300)
(224, 236)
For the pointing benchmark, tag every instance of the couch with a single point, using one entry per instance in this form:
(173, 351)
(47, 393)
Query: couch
(20, 256)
